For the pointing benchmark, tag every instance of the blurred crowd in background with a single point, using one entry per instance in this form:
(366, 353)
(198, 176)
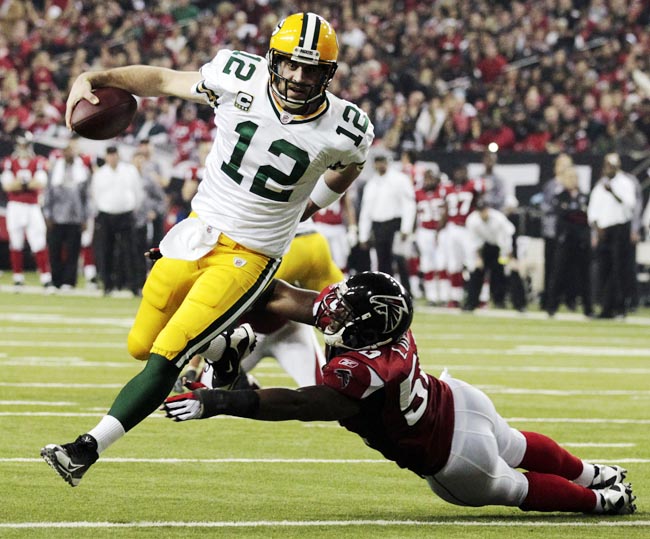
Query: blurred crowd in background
(554, 77)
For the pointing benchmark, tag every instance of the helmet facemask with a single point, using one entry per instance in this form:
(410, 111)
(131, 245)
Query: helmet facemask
(315, 92)
(356, 316)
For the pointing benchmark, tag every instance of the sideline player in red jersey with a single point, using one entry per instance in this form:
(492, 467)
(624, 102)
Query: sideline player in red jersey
(444, 430)
(455, 246)
(429, 201)
(24, 175)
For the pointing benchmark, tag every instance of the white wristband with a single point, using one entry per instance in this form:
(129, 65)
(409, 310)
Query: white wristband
(323, 195)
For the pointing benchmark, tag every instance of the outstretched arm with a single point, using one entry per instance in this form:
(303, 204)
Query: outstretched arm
(313, 403)
(287, 301)
(140, 80)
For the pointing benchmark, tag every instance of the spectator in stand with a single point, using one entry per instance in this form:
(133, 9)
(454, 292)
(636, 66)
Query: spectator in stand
(611, 209)
(24, 176)
(571, 268)
(186, 132)
(15, 107)
(116, 193)
(66, 209)
(492, 63)
(147, 126)
(492, 53)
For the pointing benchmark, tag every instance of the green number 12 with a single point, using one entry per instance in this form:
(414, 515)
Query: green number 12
(261, 186)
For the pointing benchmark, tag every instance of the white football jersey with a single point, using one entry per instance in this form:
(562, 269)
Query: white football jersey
(265, 162)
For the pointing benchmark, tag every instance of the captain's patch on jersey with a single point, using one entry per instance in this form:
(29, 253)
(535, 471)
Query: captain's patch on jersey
(243, 101)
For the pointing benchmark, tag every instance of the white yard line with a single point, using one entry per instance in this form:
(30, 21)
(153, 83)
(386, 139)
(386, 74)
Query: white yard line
(133, 460)
(63, 344)
(590, 522)
(537, 315)
(38, 403)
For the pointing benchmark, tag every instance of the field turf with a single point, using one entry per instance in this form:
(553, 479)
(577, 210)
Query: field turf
(63, 359)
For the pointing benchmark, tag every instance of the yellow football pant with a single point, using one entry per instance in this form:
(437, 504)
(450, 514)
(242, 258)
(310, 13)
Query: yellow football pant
(186, 304)
(309, 264)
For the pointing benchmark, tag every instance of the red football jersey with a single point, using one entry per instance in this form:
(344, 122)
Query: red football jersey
(406, 414)
(461, 200)
(331, 215)
(25, 169)
(429, 206)
(185, 136)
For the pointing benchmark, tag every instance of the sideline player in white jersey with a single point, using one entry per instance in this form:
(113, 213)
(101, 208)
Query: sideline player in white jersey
(279, 132)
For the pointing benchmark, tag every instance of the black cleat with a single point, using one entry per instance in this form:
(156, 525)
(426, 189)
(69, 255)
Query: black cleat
(71, 461)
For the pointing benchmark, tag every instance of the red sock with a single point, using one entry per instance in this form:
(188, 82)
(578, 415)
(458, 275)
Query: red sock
(16, 258)
(42, 261)
(546, 456)
(547, 492)
(87, 256)
(456, 280)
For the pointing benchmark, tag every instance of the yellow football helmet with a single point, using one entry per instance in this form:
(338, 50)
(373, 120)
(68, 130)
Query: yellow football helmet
(305, 38)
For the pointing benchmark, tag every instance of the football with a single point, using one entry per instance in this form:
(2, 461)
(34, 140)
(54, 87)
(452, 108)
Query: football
(108, 118)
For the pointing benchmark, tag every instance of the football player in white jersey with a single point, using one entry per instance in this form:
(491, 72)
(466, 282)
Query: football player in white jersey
(279, 131)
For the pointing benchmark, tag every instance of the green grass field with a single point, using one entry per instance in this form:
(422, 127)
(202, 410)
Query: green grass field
(63, 359)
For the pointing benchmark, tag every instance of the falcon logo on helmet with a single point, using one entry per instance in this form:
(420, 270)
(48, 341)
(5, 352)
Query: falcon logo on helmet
(392, 308)
(368, 310)
(305, 38)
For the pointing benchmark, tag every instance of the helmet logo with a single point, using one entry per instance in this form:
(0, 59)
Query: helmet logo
(278, 27)
(307, 56)
(392, 308)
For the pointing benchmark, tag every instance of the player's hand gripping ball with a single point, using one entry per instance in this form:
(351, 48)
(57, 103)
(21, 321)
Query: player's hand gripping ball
(108, 118)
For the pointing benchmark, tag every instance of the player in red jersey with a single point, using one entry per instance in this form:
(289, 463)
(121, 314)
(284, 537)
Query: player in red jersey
(444, 430)
(338, 223)
(456, 250)
(24, 175)
(429, 200)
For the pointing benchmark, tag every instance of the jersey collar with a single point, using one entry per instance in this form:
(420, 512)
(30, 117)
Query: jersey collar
(288, 118)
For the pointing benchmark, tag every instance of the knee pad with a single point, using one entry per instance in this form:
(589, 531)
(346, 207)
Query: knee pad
(137, 348)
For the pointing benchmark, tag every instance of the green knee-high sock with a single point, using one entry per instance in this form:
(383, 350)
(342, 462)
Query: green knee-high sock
(144, 392)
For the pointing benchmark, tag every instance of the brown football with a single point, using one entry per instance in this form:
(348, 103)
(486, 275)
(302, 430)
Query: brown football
(108, 118)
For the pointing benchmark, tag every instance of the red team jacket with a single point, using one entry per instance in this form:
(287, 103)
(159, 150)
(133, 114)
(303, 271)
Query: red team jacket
(406, 414)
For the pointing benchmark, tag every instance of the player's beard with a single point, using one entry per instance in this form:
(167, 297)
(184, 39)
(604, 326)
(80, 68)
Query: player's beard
(303, 109)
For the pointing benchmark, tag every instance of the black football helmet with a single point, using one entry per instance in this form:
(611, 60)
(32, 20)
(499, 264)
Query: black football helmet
(368, 310)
